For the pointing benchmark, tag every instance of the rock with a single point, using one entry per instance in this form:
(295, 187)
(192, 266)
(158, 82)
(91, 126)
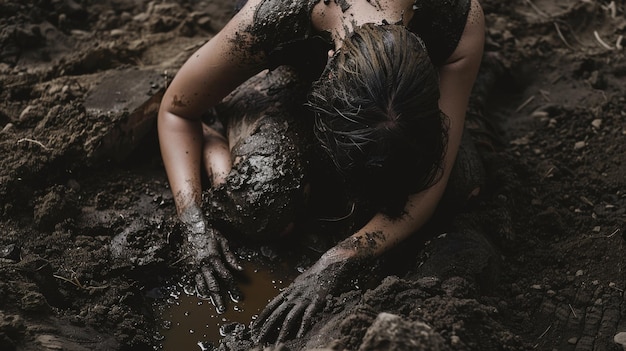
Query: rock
(50, 342)
(596, 123)
(127, 103)
(7, 128)
(391, 332)
(579, 145)
(34, 302)
(58, 204)
(620, 339)
(10, 252)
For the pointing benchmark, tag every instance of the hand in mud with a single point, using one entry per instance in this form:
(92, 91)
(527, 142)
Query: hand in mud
(212, 259)
(294, 308)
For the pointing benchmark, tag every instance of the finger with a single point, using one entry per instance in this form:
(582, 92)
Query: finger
(218, 267)
(291, 321)
(227, 279)
(271, 322)
(214, 289)
(235, 293)
(307, 318)
(201, 287)
(267, 311)
(230, 257)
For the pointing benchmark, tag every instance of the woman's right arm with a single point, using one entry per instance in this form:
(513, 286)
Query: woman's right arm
(210, 74)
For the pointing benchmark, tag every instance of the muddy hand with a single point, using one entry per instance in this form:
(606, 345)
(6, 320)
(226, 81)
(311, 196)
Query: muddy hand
(212, 260)
(294, 309)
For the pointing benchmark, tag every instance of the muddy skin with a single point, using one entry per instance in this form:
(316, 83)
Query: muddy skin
(268, 132)
(290, 23)
(291, 314)
(561, 283)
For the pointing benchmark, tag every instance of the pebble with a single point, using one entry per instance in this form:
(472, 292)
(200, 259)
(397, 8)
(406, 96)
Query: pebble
(7, 127)
(620, 339)
(579, 145)
(572, 341)
(26, 111)
(579, 272)
(596, 123)
(118, 32)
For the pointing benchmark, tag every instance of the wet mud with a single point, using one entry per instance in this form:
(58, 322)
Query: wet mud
(88, 234)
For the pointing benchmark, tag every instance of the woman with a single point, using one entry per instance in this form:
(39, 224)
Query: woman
(389, 98)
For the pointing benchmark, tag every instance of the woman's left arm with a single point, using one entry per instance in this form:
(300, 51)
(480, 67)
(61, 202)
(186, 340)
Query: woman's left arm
(456, 79)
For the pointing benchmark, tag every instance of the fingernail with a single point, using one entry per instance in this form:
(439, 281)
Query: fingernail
(234, 297)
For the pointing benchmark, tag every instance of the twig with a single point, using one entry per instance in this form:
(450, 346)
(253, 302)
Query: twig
(181, 259)
(34, 142)
(339, 218)
(558, 30)
(545, 332)
(612, 234)
(548, 173)
(605, 45)
(587, 201)
(611, 8)
(572, 32)
(72, 281)
(525, 103)
(612, 286)
(606, 236)
(539, 11)
(573, 312)
(545, 95)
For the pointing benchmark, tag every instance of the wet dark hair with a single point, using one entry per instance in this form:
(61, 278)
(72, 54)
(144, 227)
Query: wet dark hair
(377, 115)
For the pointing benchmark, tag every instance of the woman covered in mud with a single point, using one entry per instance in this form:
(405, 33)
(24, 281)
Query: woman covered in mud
(390, 83)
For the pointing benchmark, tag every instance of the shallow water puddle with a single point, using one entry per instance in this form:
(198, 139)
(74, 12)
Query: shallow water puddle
(191, 323)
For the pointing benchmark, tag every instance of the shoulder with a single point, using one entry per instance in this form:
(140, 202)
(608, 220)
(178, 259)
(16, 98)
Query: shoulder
(440, 23)
(278, 21)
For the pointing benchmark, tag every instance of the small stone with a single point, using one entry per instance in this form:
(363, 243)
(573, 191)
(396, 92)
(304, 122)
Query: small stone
(204, 22)
(536, 287)
(620, 339)
(7, 127)
(579, 272)
(26, 112)
(596, 123)
(118, 33)
(579, 145)
(572, 341)
(596, 229)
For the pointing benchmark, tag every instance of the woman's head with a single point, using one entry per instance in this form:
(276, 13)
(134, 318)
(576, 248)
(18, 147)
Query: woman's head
(377, 115)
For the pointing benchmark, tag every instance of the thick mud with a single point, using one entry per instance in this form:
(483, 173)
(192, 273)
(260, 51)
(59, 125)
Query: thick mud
(88, 237)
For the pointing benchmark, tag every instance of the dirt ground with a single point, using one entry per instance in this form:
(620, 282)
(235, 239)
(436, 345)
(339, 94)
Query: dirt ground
(86, 216)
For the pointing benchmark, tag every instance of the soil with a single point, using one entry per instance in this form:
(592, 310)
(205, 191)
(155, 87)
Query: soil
(87, 219)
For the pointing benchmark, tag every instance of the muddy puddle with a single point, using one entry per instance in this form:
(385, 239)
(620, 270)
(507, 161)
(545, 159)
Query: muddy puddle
(188, 322)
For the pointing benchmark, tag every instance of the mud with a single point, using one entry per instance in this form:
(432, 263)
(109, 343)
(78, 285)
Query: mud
(536, 261)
